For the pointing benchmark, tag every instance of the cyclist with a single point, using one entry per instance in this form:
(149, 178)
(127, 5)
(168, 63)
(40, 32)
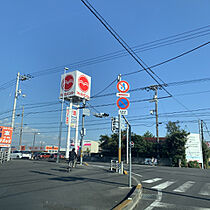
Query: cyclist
(72, 159)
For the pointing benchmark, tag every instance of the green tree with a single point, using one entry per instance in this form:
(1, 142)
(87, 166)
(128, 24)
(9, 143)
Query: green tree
(175, 143)
(206, 154)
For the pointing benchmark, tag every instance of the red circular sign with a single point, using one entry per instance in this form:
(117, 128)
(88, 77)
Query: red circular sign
(69, 81)
(123, 103)
(83, 83)
(123, 86)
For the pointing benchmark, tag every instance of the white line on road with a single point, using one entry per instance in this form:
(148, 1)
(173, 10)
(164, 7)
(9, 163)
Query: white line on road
(205, 190)
(152, 180)
(137, 174)
(98, 166)
(156, 202)
(184, 187)
(163, 185)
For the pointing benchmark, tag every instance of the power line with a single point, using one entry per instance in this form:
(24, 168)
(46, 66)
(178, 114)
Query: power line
(169, 60)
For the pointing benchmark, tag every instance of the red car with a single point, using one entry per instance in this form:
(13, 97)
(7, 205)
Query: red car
(44, 155)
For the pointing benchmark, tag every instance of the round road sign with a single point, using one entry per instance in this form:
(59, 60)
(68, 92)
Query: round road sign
(83, 83)
(123, 86)
(123, 103)
(67, 82)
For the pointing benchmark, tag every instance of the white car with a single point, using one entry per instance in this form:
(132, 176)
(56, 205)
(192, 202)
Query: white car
(26, 154)
(16, 154)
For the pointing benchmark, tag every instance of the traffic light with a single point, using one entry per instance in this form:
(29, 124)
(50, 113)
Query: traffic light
(114, 125)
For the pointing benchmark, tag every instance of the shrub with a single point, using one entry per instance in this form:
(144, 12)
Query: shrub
(193, 164)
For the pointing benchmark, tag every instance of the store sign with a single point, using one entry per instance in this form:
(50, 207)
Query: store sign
(75, 85)
(5, 136)
(194, 148)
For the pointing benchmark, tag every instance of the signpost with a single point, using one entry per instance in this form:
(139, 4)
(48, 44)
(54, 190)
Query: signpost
(123, 103)
(123, 86)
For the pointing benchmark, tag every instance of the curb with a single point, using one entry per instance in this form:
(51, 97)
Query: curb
(86, 164)
(131, 202)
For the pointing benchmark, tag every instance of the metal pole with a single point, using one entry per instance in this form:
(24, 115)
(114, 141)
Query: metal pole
(76, 130)
(14, 109)
(157, 124)
(119, 127)
(21, 129)
(69, 130)
(82, 134)
(130, 164)
(34, 140)
(127, 139)
(61, 120)
(202, 140)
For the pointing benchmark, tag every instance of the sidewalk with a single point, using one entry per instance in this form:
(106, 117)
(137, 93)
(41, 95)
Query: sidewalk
(26, 184)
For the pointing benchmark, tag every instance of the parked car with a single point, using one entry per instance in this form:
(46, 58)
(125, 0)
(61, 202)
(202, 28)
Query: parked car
(54, 155)
(36, 155)
(26, 154)
(44, 155)
(16, 154)
(150, 161)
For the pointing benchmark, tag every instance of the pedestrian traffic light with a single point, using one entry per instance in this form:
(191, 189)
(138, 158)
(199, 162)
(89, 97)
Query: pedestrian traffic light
(114, 125)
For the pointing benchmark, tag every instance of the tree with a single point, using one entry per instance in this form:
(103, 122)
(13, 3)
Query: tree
(175, 143)
(206, 154)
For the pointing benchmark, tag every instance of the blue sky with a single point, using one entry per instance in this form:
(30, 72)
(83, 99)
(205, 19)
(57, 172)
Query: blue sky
(41, 37)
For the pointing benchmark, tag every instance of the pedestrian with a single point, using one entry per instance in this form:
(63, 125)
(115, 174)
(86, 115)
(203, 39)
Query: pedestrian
(72, 159)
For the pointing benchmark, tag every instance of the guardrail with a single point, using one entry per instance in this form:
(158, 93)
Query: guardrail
(4, 156)
(116, 166)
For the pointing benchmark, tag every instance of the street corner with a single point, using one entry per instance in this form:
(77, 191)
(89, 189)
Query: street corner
(132, 199)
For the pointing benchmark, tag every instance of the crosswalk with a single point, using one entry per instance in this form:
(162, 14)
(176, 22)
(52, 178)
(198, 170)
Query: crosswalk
(162, 184)
(176, 187)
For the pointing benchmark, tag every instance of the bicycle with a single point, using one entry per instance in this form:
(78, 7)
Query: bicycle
(71, 164)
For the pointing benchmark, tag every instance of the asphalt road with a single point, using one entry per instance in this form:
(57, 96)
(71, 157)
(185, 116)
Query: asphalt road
(172, 188)
(26, 184)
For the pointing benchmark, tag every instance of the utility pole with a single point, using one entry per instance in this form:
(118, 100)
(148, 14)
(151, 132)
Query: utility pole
(14, 109)
(119, 128)
(202, 137)
(17, 92)
(61, 120)
(202, 140)
(82, 133)
(21, 129)
(155, 99)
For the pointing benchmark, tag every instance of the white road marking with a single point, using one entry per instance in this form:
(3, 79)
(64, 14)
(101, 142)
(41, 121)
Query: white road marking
(136, 174)
(163, 185)
(205, 190)
(152, 180)
(156, 202)
(184, 187)
(98, 166)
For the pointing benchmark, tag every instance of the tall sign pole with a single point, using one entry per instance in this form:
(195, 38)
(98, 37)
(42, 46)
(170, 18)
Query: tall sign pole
(122, 103)
(76, 130)
(119, 127)
(69, 130)
(82, 133)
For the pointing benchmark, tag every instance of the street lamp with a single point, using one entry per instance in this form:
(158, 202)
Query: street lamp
(35, 133)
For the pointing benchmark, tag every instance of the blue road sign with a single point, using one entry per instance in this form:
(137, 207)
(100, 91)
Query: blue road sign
(123, 103)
